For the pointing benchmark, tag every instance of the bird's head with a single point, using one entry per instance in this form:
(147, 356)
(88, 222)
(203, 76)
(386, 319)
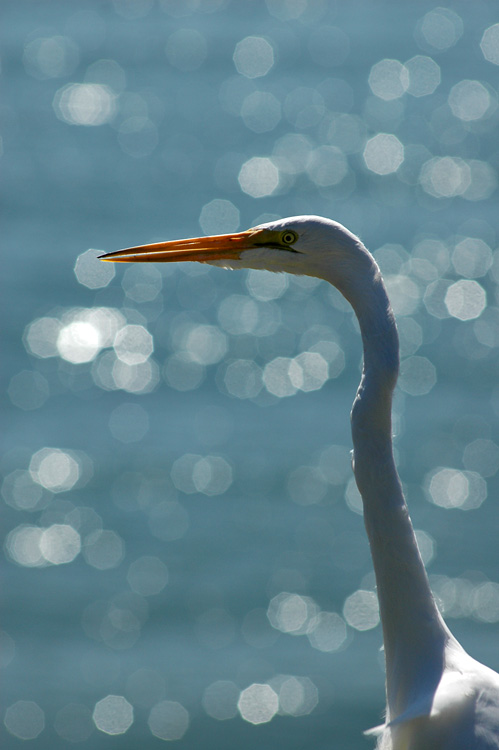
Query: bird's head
(306, 245)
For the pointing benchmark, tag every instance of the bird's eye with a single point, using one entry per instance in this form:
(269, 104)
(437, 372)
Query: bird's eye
(287, 237)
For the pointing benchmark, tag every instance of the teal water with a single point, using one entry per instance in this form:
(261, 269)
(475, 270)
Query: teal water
(163, 483)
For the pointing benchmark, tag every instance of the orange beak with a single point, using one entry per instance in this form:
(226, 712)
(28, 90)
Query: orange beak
(218, 247)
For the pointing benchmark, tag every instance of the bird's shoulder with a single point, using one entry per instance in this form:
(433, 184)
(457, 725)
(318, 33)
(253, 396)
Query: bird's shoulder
(464, 712)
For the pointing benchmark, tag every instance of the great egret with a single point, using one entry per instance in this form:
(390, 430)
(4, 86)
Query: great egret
(437, 695)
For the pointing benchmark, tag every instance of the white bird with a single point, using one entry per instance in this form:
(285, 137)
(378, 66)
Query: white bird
(437, 696)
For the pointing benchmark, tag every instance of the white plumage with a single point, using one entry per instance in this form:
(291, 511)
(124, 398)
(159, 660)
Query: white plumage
(438, 697)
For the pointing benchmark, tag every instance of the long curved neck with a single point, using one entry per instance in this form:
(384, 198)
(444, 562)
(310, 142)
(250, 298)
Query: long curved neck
(414, 632)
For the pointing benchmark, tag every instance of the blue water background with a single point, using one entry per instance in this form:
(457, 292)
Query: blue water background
(69, 187)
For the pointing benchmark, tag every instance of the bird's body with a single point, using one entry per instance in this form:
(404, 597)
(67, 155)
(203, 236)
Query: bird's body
(438, 697)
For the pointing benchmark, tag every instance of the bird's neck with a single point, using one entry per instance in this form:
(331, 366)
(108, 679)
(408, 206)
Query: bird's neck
(413, 630)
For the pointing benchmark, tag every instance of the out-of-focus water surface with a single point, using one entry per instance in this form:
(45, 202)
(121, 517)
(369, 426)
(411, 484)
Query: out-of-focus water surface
(185, 557)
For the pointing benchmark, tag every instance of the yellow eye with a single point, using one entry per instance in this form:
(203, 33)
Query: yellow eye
(288, 237)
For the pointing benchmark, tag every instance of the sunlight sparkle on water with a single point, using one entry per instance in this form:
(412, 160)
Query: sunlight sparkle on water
(54, 469)
(383, 153)
(253, 57)
(258, 177)
(361, 610)
(280, 120)
(25, 720)
(219, 216)
(452, 488)
(103, 549)
(465, 300)
(220, 700)
(490, 44)
(327, 632)
(91, 273)
(147, 576)
(469, 100)
(298, 696)
(168, 720)
(292, 613)
(258, 704)
(85, 104)
(113, 715)
(389, 79)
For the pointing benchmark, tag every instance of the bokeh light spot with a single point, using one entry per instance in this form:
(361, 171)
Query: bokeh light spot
(306, 485)
(243, 378)
(103, 549)
(327, 166)
(424, 75)
(54, 469)
(142, 282)
(23, 546)
(253, 57)
(291, 613)
(277, 377)
(50, 57)
(486, 602)
(388, 79)
(168, 720)
(261, 111)
(417, 376)
(472, 258)
(451, 488)
(445, 177)
(465, 300)
(147, 576)
(210, 475)
(441, 28)
(113, 715)
(383, 153)
(258, 704)
(91, 272)
(205, 344)
(426, 545)
(482, 456)
(219, 217)
(25, 720)
(490, 44)
(361, 610)
(133, 344)
(298, 696)
(20, 491)
(265, 285)
(469, 100)
(28, 390)
(258, 177)
(60, 544)
(78, 342)
(85, 104)
(40, 337)
(327, 632)
(220, 700)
